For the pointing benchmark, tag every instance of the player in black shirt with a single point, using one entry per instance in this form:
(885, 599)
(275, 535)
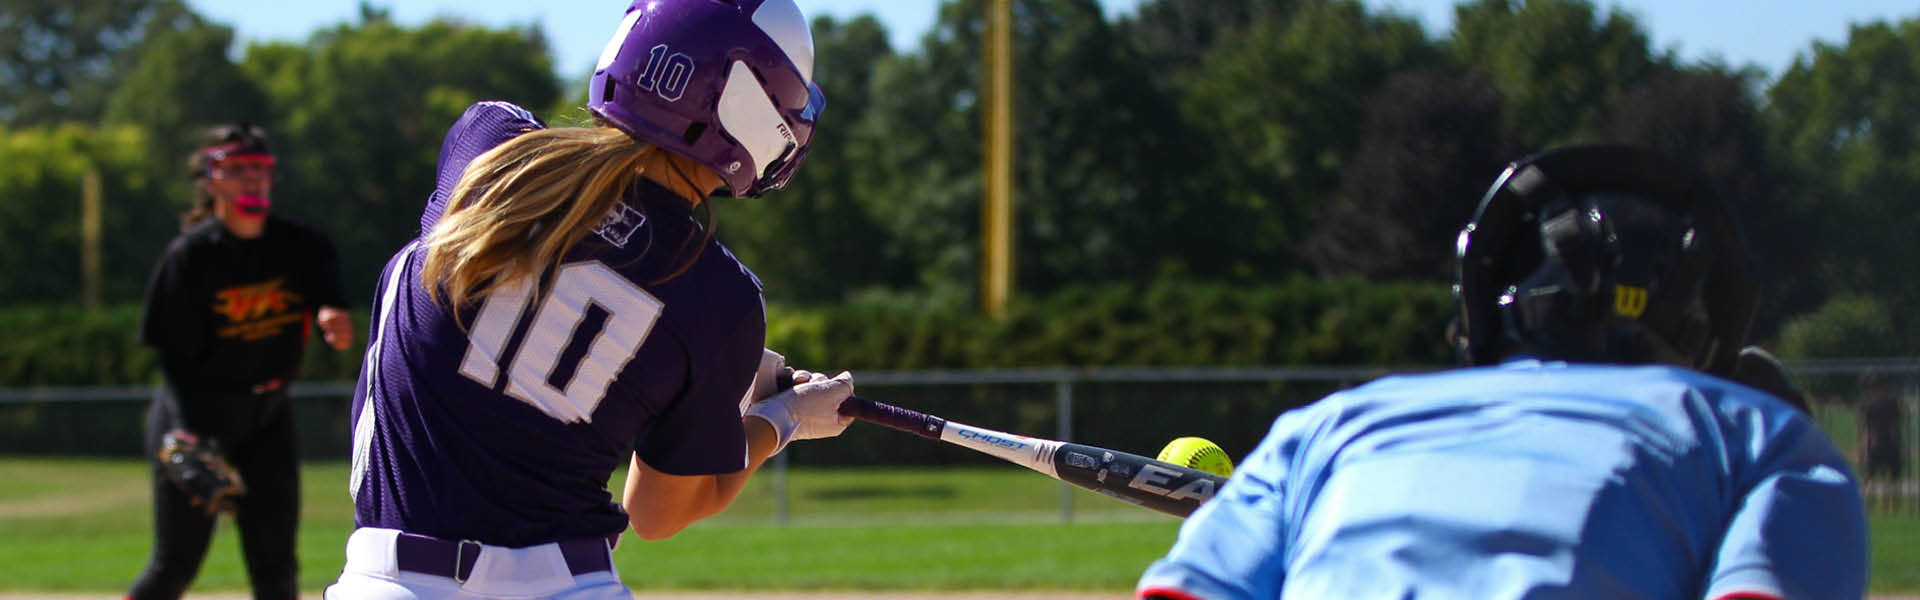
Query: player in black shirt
(229, 309)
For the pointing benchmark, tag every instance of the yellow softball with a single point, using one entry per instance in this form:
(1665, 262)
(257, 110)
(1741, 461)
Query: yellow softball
(1197, 453)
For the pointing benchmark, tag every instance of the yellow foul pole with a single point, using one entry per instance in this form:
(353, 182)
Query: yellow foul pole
(90, 269)
(996, 212)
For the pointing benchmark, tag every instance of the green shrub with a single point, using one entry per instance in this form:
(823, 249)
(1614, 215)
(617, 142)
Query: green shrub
(1299, 321)
(68, 345)
(61, 345)
(1844, 327)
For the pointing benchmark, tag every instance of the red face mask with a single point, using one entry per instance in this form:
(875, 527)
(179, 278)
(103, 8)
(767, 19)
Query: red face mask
(252, 205)
(227, 164)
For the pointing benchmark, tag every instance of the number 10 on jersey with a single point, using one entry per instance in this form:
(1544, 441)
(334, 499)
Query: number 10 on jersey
(545, 371)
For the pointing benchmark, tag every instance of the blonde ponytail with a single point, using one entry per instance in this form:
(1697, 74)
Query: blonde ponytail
(519, 207)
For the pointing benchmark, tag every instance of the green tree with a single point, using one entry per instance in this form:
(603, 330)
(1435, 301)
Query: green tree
(360, 111)
(1173, 35)
(41, 170)
(923, 187)
(60, 59)
(1283, 103)
(815, 241)
(1844, 120)
(1431, 143)
(1557, 62)
(1101, 192)
(1848, 326)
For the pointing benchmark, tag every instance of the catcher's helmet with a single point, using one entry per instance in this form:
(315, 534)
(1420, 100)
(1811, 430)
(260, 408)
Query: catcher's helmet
(1602, 254)
(728, 83)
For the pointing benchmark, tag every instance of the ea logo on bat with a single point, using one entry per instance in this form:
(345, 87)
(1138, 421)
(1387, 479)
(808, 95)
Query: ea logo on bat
(1002, 442)
(1155, 478)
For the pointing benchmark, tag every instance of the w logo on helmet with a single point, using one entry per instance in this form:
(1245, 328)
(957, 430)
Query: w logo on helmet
(1629, 301)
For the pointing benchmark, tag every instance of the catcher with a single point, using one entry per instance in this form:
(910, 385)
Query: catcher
(229, 309)
(1606, 441)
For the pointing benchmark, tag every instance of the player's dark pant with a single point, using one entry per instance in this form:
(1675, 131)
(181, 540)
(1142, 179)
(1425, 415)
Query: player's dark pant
(1885, 458)
(260, 444)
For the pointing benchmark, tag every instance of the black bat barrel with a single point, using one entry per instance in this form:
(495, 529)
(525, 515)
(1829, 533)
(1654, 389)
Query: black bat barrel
(1165, 487)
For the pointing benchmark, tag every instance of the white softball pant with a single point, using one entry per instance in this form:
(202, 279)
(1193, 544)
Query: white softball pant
(375, 559)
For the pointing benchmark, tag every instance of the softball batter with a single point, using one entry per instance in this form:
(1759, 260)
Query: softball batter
(565, 311)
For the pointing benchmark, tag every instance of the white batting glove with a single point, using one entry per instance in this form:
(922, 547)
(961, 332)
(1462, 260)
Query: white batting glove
(811, 410)
(772, 366)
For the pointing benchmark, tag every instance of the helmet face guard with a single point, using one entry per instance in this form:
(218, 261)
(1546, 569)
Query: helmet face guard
(728, 84)
(1602, 254)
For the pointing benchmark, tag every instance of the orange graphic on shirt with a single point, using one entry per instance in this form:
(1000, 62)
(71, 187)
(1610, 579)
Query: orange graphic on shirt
(257, 310)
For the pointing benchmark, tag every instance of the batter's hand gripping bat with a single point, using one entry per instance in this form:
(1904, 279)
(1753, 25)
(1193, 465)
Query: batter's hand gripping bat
(1165, 487)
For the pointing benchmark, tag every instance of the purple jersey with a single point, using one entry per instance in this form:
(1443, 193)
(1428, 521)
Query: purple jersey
(506, 431)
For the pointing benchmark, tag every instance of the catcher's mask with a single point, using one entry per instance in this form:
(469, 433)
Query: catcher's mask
(1602, 254)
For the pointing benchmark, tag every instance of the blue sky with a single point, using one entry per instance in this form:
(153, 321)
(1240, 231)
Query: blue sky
(1768, 33)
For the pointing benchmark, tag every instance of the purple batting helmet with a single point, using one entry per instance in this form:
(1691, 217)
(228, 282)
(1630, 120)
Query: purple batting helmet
(728, 83)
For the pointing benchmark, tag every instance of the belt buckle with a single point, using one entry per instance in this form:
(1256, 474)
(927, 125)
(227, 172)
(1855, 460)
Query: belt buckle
(459, 557)
(270, 385)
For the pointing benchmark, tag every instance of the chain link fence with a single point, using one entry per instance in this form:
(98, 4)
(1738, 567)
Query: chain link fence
(1871, 409)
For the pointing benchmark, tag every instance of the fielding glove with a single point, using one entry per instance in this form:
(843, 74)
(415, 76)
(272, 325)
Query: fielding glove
(200, 469)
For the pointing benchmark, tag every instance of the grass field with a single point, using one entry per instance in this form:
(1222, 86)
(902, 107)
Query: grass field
(82, 525)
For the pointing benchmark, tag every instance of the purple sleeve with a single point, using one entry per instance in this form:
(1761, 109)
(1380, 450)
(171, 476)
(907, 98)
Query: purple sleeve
(701, 433)
(1800, 531)
(485, 125)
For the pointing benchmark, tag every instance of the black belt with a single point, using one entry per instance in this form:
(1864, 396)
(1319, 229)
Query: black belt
(445, 558)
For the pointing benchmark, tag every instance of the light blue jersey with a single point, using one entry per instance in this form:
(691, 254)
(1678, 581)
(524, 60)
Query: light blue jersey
(1531, 480)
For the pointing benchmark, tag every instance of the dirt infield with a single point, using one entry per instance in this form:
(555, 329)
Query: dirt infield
(774, 596)
(891, 596)
(729, 596)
